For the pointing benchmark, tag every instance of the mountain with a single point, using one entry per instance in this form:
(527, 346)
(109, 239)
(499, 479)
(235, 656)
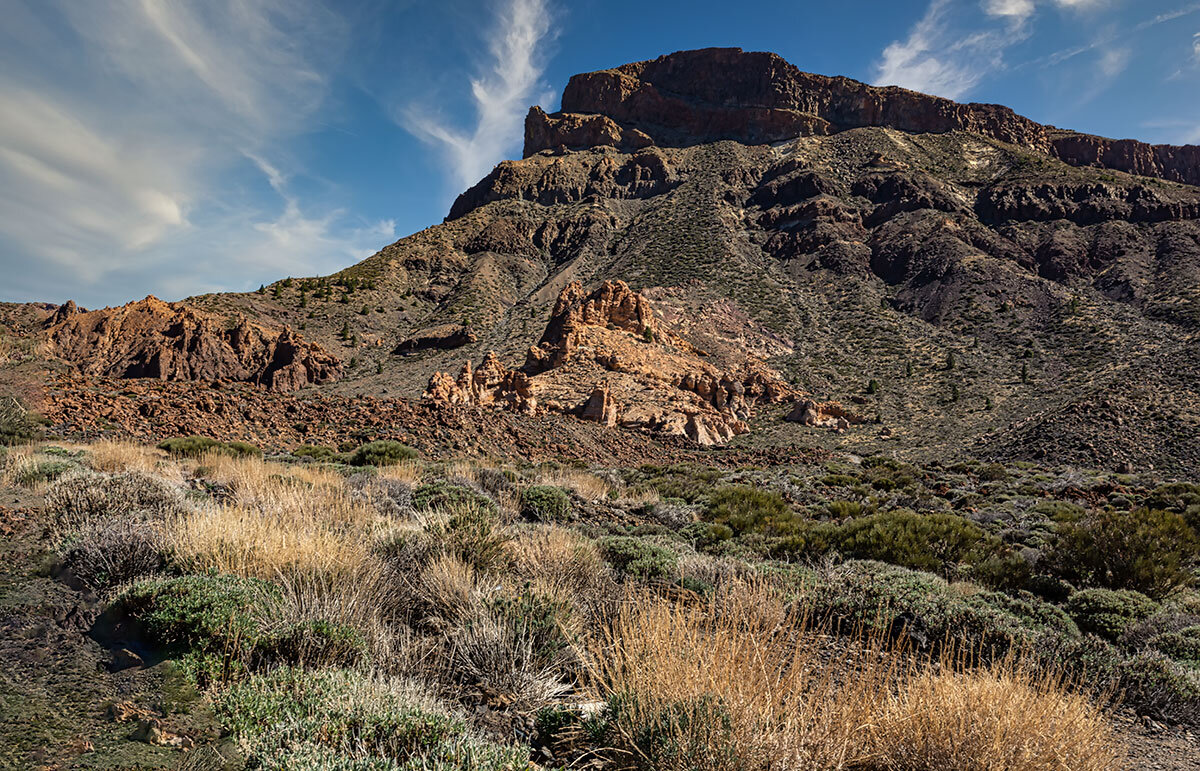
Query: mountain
(699, 247)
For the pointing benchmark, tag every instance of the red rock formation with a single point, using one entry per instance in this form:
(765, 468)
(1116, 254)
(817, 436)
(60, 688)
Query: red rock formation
(605, 358)
(695, 97)
(154, 339)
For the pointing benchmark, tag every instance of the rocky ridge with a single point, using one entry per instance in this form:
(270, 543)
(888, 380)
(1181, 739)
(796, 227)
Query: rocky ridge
(697, 97)
(154, 339)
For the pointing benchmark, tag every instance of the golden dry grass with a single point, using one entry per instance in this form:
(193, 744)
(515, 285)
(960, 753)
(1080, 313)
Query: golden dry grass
(114, 456)
(583, 483)
(409, 471)
(280, 519)
(746, 683)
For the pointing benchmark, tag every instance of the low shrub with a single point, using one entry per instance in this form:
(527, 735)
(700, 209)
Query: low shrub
(111, 552)
(190, 446)
(1183, 645)
(1162, 687)
(315, 452)
(79, 498)
(1109, 613)
(638, 559)
(933, 542)
(545, 503)
(242, 450)
(469, 532)
(439, 495)
(339, 719)
(747, 509)
(315, 643)
(17, 425)
(1151, 551)
(202, 613)
(383, 452)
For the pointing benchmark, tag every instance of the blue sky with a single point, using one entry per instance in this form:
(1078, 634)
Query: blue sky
(182, 146)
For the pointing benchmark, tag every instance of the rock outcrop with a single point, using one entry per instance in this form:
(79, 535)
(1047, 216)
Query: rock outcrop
(442, 337)
(154, 339)
(606, 358)
(696, 97)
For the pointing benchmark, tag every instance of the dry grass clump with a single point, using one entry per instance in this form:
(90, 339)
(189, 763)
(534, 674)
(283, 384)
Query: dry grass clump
(585, 484)
(560, 559)
(410, 471)
(1004, 716)
(277, 519)
(252, 543)
(114, 456)
(746, 682)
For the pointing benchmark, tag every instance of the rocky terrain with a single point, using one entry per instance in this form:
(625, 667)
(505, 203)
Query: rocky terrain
(932, 279)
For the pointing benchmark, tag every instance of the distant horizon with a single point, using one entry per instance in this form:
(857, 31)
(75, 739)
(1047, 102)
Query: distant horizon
(179, 150)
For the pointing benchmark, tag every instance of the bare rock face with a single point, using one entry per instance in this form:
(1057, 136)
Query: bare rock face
(696, 97)
(605, 357)
(441, 337)
(829, 415)
(154, 339)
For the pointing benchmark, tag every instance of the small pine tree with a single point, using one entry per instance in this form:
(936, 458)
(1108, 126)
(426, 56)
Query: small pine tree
(954, 392)
(648, 335)
(353, 362)
(354, 340)
(1024, 372)
(345, 333)
(950, 361)
(379, 367)
(908, 369)
(262, 289)
(873, 387)
(365, 310)
(303, 299)
(287, 282)
(987, 403)
(275, 291)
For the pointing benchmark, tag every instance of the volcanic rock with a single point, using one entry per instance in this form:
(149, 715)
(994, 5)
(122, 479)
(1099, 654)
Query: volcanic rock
(605, 348)
(697, 97)
(154, 339)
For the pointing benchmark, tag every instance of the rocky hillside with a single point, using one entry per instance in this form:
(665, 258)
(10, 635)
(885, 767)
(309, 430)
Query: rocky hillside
(963, 280)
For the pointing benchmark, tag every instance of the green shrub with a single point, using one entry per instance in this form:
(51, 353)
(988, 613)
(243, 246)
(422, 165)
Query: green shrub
(839, 480)
(208, 614)
(933, 542)
(383, 452)
(439, 495)
(468, 531)
(43, 471)
(545, 503)
(535, 617)
(1109, 613)
(315, 644)
(1146, 550)
(340, 719)
(315, 452)
(243, 450)
(874, 595)
(1183, 645)
(639, 559)
(190, 446)
(17, 425)
(1162, 687)
(751, 510)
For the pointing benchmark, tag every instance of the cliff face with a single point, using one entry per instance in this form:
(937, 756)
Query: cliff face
(154, 339)
(697, 97)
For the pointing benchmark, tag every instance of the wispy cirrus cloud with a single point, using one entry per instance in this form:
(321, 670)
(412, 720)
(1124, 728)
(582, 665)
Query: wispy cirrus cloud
(946, 54)
(122, 123)
(501, 93)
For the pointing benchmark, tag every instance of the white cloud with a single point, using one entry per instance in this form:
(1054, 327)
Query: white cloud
(1018, 9)
(943, 56)
(1113, 61)
(122, 121)
(501, 94)
(1196, 48)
